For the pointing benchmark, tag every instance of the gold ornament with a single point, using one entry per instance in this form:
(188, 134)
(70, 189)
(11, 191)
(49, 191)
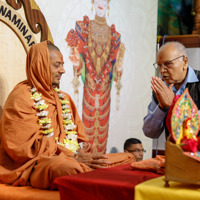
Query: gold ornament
(76, 84)
(108, 9)
(92, 5)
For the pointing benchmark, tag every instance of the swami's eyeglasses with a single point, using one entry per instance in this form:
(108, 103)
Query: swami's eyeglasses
(167, 64)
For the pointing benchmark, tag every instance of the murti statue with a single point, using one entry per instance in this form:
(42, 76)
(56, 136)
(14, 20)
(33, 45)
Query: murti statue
(97, 55)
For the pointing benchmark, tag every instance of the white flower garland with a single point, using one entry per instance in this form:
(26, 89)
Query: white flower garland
(70, 142)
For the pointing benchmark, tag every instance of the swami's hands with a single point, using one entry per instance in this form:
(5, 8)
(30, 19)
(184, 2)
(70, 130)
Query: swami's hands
(91, 159)
(164, 94)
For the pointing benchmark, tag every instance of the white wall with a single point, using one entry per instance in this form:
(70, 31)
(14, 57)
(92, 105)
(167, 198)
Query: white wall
(136, 20)
(194, 59)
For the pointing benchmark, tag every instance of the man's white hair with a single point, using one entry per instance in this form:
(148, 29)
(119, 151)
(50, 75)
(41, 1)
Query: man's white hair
(177, 45)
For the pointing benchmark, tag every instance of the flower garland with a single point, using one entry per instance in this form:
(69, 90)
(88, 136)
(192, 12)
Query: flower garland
(70, 142)
(43, 121)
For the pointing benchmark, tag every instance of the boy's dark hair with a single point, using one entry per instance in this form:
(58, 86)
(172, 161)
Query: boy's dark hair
(131, 141)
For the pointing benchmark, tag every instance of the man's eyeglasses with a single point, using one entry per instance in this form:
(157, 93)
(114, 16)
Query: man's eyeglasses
(167, 64)
(137, 150)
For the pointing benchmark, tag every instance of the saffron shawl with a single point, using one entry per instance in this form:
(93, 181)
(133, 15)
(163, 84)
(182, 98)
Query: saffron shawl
(22, 142)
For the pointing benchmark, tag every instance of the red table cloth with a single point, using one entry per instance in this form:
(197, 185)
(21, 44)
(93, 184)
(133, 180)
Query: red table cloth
(102, 184)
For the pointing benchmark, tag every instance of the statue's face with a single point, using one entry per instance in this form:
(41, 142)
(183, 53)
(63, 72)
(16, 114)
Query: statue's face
(100, 7)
